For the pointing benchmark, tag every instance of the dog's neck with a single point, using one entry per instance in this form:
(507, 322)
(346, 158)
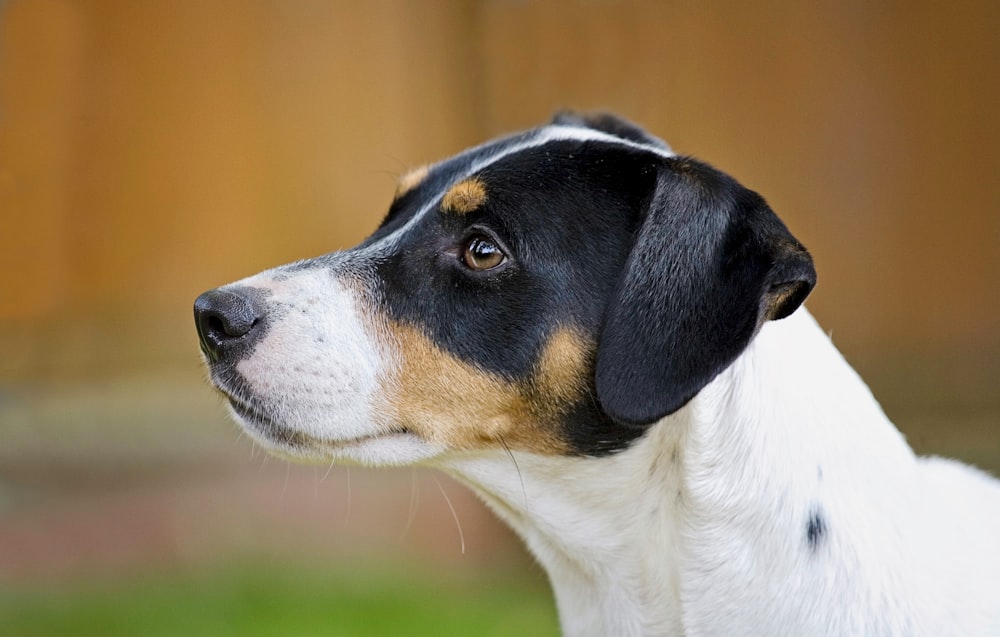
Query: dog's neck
(601, 527)
(624, 538)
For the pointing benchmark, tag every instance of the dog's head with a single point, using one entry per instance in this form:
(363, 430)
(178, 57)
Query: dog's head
(556, 291)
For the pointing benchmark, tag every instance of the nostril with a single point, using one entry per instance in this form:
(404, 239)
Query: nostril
(231, 321)
(220, 328)
(215, 325)
(225, 318)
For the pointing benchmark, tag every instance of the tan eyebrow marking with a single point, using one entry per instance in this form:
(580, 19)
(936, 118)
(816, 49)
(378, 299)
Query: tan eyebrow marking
(410, 180)
(464, 197)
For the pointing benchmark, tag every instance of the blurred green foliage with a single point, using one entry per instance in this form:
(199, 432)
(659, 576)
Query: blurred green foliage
(258, 600)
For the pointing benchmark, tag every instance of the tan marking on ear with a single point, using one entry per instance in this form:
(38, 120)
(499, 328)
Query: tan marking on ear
(454, 403)
(775, 299)
(464, 197)
(410, 180)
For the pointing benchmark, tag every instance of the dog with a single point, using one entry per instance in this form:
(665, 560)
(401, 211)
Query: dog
(607, 342)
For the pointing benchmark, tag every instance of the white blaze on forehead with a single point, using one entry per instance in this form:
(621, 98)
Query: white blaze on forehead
(316, 367)
(542, 136)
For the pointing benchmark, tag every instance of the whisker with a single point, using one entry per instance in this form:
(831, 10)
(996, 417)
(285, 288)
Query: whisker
(414, 493)
(347, 514)
(284, 487)
(260, 455)
(510, 454)
(253, 445)
(328, 470)
(454, 516)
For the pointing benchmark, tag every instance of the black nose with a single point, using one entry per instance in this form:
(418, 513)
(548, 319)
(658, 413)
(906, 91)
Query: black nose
(228, 320)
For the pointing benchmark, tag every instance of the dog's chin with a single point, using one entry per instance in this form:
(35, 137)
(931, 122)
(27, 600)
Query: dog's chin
(391, 448)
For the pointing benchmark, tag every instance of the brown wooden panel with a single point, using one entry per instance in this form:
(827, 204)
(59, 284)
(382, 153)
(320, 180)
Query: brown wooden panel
(870, 128)
(151, 150)
(40, 88)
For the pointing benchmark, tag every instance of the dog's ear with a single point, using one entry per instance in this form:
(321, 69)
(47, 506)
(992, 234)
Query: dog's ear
(710, 263)
(610, 124)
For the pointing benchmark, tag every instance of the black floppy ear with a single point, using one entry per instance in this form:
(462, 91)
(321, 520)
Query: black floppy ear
(612, 125)
(711, 262)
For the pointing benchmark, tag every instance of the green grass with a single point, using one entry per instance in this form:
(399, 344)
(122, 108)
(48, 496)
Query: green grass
(259, 601)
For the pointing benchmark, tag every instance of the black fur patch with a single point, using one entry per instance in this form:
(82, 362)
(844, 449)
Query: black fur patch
(710, 264)
(565, 213)
(667, 266)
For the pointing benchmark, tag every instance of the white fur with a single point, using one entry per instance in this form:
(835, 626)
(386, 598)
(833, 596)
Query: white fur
(319, 372)
(699, 528)
(517, 144)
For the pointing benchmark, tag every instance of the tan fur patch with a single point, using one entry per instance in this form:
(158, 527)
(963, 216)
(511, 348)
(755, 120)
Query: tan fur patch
(410, 180)
(776, 297)
(464, 197)
(452, 402)
(562, 369)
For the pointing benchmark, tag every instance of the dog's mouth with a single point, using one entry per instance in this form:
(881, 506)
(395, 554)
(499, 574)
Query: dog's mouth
(258, 421)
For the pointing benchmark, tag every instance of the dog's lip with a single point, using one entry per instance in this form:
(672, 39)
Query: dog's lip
(296, 439)
(247, 412)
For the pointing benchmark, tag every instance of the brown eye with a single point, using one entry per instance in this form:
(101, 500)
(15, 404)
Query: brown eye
(481, 253)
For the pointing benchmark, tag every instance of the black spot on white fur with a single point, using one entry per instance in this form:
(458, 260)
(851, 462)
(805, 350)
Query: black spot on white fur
(815, 529)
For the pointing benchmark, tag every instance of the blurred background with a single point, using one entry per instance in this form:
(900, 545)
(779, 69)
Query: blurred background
(152, 150)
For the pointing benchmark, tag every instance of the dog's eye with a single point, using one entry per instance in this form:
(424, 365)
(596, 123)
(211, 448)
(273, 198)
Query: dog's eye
(482, 253)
